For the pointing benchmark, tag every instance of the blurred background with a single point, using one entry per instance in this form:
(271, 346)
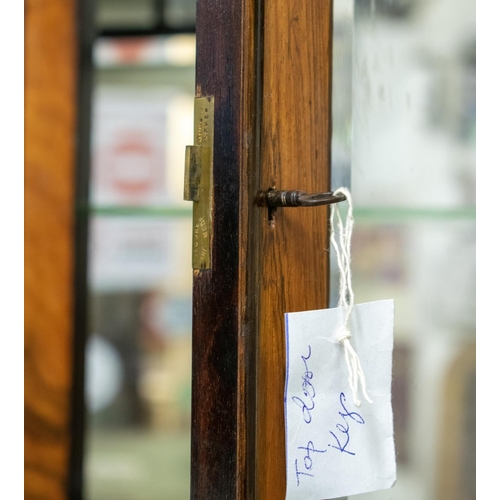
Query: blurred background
(403, 139)
(138, 357)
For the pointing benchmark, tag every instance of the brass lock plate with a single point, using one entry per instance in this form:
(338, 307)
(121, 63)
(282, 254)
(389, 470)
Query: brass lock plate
(198, 181)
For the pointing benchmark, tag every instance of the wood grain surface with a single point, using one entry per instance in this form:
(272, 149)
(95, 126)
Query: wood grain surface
(223, 394)
(50, 113)
(295, 154)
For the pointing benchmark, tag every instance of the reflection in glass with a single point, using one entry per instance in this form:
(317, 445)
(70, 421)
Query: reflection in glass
(343, 16)
(427, 266)
(413, 183)
(414, 103)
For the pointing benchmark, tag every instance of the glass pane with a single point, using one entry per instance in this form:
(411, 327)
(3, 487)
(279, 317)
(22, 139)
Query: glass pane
(414, 103)
(427, 266)
(408, 136)
(343, 16)
(139, 350)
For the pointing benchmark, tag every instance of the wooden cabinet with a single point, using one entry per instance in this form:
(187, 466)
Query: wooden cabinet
(50, 158)
(270, 75)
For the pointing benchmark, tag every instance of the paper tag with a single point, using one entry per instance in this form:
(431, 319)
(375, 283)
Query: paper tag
(333, 448)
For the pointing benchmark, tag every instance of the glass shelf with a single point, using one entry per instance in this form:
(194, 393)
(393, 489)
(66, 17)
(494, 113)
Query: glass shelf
(115, 211)
(404, 214)
(368, 214)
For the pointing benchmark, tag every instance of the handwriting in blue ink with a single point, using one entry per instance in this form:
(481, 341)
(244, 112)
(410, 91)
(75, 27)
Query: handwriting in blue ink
(306, 404)
(344, 428)
(308, 461)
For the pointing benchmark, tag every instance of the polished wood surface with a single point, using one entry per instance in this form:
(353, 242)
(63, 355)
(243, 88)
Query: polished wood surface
(295, 154)
(50, 114)
(223, 406)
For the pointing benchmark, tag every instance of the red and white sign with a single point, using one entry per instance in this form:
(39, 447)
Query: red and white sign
(129, 153)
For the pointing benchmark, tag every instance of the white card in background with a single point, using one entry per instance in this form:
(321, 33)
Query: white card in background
(333, 448)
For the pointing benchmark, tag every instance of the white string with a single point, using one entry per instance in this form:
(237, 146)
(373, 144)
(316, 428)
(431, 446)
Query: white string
(346, 294)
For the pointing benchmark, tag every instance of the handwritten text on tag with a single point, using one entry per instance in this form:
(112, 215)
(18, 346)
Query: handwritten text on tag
(333, 448)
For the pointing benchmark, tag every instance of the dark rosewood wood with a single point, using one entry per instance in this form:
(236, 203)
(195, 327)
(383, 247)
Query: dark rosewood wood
(295, 154)
(223, 406)
(50, 138)
(272, 88)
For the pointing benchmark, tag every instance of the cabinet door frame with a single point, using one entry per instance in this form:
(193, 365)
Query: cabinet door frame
(268, 66)
(223, 387)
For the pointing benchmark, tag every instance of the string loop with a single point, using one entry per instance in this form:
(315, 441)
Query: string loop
(346, 294)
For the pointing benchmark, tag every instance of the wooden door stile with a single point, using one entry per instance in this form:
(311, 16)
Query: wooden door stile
(223, 398)
(295, 154)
